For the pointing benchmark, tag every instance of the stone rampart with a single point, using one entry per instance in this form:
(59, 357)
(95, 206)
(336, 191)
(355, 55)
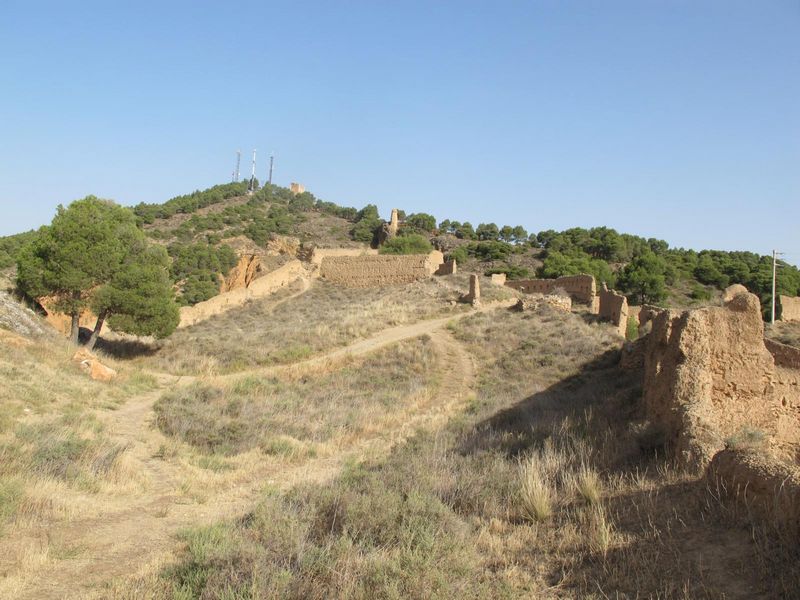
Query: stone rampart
(257, 288)
(383, 269)
(613, 307)
(582, 288)
(790, 308)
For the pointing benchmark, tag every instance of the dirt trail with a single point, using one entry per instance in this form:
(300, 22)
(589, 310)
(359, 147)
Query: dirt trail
(137, 529)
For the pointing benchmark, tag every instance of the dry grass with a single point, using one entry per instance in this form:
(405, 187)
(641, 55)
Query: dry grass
(544, 488)
(325, 317)
(784, 332)
(283, 416)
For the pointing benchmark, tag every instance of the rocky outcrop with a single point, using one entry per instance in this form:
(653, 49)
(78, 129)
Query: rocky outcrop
(283, 245)
(19, 319)
(92, 366)
(243, 274)
(708, 375)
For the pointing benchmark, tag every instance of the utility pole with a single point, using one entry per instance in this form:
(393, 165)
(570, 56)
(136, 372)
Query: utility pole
(271, 162)
(775, 255)
(252, 187)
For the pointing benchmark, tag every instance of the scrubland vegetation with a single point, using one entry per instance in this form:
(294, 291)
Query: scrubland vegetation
(547, 484)
(325, 317)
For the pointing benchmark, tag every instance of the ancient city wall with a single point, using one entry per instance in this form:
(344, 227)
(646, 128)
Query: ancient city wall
(790, 308)
(257, 288)
(582, 288)
(318, 254)
(708, 376)
(613, 307)
(383, 269)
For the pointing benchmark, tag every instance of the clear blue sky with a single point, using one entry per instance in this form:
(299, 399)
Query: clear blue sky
(678, 120)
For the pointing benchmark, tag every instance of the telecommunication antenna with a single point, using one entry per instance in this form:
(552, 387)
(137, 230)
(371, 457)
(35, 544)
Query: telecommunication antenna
(252, 187)
(238, 162)
(271, 162)
(775, 255)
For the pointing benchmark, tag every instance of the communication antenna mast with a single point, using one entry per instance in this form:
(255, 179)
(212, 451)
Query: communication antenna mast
(271, 162)
(252, 187)
(238, 162)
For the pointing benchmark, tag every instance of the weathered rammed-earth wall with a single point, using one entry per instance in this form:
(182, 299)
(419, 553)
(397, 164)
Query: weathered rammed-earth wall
(582, 288)
(448, 267)
(257, 288)
(383, 269)
(613, 307)
(790, 308)
(318, 254)
(708, 377)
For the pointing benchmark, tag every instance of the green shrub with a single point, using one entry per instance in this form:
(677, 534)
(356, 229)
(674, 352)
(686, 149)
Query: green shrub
(407, 244)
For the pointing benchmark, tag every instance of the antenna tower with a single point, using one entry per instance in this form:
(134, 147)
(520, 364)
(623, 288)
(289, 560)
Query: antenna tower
(271, 162)
(238, 162)
(252, 187)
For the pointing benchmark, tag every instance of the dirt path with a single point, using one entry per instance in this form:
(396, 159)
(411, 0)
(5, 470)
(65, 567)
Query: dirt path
(136, 529)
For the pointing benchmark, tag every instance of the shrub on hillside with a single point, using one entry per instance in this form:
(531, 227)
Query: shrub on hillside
(407, 244)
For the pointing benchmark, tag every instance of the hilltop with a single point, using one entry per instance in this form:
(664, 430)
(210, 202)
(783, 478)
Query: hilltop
(207, 231)
(403, 430)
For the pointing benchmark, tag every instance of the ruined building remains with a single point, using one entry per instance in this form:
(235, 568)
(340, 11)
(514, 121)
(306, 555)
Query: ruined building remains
(371, 270)
(790, 308)
(582, 288)
(296, 188)
(613, 307)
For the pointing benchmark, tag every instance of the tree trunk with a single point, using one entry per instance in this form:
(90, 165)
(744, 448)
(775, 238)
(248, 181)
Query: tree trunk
(75, 327)
(96, 333)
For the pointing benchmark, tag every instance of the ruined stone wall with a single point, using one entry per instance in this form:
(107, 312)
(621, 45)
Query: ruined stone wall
(769, 489)
(708, 375)
(534, 302)
(613, 307)
(257, 288)
(790, 308)
(448, 267)
(383, 269)
(318, 254)
(582, 288)
(784, 356)
(498, 278)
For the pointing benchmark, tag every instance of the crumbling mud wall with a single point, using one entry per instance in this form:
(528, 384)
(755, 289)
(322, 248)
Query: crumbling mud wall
(533, 302)
(448, 267)
(498, 278)
(259, 287)
(613, 307)
(383, 269)
(582, 288)
(708, 377)
(790, 308)
(784, 356)
(769, 489)
(318, 254)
